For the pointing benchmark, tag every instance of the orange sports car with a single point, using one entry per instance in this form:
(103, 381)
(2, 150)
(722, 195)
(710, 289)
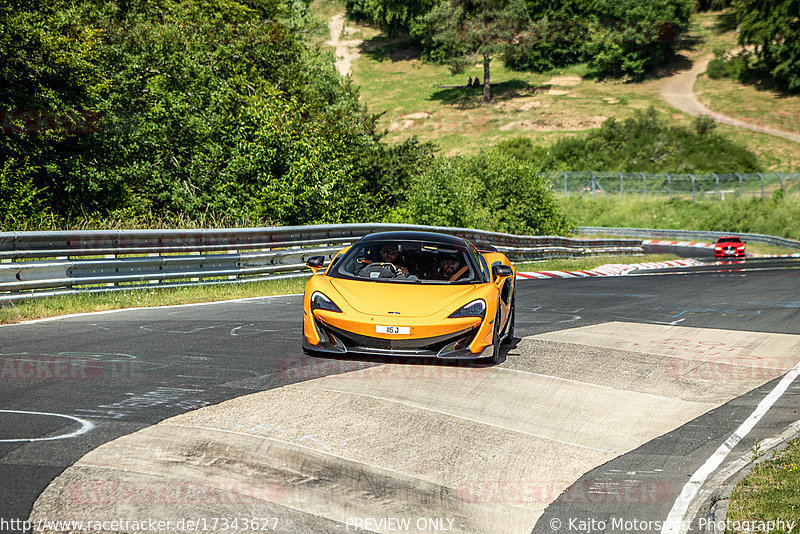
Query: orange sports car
(410, 294)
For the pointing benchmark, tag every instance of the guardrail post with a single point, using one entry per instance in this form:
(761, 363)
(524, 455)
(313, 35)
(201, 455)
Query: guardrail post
(195, 253)
(694, 192)
(154, 255)
(233, 276)
(669, 186)
(644, 185)
(762, 184)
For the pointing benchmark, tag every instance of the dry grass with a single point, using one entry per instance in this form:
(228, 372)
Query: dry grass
(758, 105)
(545, 107)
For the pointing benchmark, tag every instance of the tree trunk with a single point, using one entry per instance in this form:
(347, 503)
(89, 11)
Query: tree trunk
(487, 91)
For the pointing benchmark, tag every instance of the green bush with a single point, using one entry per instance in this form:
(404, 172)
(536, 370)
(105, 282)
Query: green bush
(522, 149)
(21, 202)
(490, 191)
(717, 68)
(704, 124)
(741, 67)
(389, 170)
(644, 143)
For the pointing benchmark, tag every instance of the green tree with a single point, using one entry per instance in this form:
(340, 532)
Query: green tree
(197, 107)
(773, 26)
(628, 37)
(490, 191)
(51, 81)
(393, 18)
(463, 32)
(618, 38)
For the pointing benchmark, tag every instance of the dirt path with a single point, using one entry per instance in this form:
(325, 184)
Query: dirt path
(346, 51)
(678, 91)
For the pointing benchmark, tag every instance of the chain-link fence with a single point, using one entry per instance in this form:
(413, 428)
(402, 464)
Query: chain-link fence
(685, 186)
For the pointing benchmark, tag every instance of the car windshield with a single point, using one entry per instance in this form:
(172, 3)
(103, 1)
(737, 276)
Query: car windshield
(729, 240)
(408, 262)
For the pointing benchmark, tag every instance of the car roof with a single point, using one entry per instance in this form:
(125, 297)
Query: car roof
(728, 237)
(431, 237)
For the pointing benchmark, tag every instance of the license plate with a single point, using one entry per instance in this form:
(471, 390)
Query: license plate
(400, 330)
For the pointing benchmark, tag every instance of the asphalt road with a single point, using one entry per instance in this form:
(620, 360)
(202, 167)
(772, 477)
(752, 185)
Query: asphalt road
(766, 299)
(128, 370)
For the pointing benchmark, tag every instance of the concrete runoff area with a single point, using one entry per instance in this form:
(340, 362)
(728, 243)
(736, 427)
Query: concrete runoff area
(472, 449)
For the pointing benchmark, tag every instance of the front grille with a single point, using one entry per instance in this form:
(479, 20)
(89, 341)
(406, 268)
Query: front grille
(428, 344)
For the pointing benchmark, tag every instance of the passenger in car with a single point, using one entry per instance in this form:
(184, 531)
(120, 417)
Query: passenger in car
(451, 268)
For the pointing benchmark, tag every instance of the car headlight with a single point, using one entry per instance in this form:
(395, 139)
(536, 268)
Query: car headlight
(476, 308)
(320, 302)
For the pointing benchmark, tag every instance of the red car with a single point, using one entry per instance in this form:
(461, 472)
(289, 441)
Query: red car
(729, 246)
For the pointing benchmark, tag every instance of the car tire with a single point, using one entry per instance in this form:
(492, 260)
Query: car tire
(511, 320)
(496, 344)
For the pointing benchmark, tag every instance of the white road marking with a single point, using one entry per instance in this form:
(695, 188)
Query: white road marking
(86, 426)
(675, 520)
(148, 328)
(235, 330)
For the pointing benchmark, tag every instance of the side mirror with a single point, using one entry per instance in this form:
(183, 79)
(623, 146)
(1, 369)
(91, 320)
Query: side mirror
(499, 270)
(315, 262)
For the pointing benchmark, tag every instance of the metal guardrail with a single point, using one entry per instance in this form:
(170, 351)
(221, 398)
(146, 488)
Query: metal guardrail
(191, 257)
(683, 235)
(672, 185)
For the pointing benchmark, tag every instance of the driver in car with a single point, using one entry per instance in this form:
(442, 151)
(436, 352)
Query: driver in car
(390, 254)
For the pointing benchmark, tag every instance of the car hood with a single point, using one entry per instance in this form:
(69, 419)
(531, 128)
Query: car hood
(403, 299)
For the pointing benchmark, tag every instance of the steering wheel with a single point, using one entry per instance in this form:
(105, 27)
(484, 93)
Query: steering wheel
(380, 268)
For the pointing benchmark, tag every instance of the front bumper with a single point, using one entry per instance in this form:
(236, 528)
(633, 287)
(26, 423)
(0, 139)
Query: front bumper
(453, 346)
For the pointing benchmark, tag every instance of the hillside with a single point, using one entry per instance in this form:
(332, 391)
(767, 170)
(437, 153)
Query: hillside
(416, 97)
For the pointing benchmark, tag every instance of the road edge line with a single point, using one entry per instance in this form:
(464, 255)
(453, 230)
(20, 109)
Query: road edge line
(675, 522)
